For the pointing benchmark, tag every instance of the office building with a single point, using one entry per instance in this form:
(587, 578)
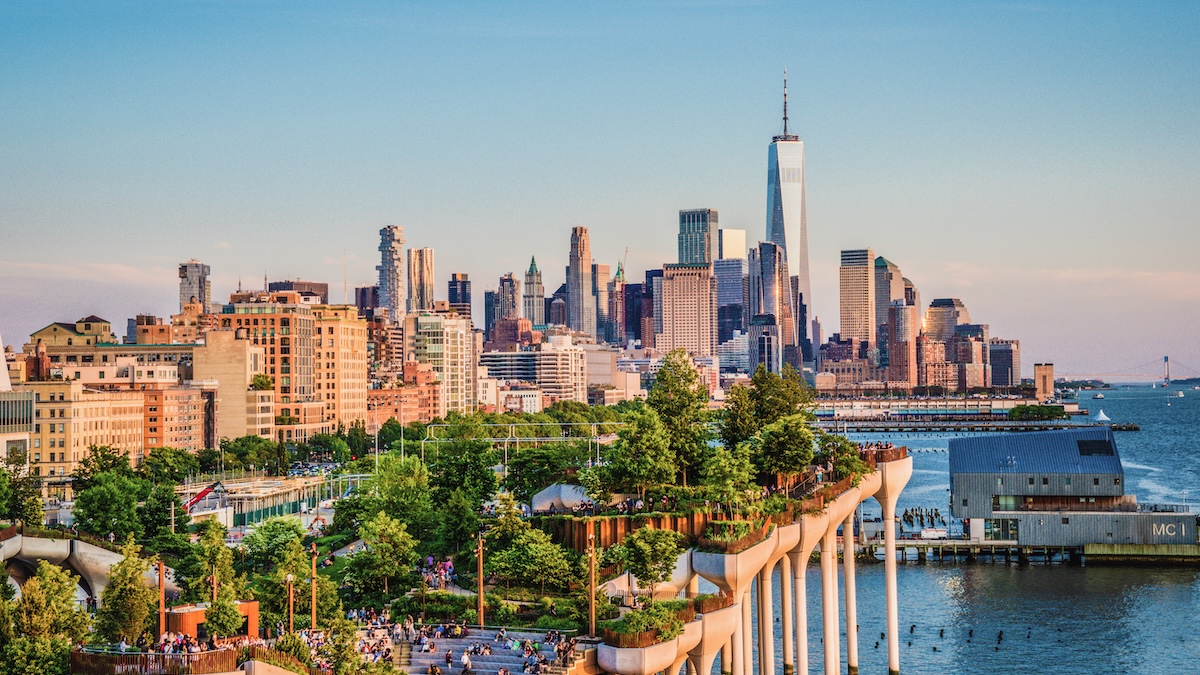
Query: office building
(231, 359)
(557, 367)
(366, 298)
(765, 347)
(533, 301)
(731, 244)
(787, 226)
(732, 294)
(393, 296)
(319, 290)
(689, 306)
(615, 328)
(771, 294)
(942, 317)
(856, 286)
(1005, 357)
(194, 284)
(600, 293)
(1043, 381)
(889, 287)
(420, 279)
(581, 300)
(458, 293)
(698, 239)
(902, 330)
(508, 298)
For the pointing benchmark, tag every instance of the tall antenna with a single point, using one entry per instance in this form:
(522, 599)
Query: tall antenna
(785, 120)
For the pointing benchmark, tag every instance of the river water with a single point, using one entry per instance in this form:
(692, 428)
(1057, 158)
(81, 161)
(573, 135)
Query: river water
(1055, 618)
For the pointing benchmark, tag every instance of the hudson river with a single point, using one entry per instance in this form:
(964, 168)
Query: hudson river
(1055, 618)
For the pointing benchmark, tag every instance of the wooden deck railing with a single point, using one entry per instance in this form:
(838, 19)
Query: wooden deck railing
(103, 663)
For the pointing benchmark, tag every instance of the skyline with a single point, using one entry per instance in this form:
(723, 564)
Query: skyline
(135, 146)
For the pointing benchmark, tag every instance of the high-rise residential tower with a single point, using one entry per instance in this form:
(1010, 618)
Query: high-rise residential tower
(689, 306)
(581, 301)
(787, 220)
(420, 279)
(194, 283)
(533, 301)
(856, 286)
(698, 242)
(392, 294)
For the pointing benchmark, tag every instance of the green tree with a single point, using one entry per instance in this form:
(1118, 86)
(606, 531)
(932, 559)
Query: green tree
(458, 521)
(294, 559)
(391, 550)
(402, 486)
(168, 465)
(778, 396)
(681, 401)
(100, 459)
(110, 505)
(841, 454)
(531, 557)
(341, 648)
(533, 469)
(642, 456)
(651, 555)
(262, 383)
(36, 656)
(48, 609)
(738, 422)
(467, 465)
(208, 558)
(784, 447)
(125, 606)
(30, 511)
(294, 645)
(726, 473)
(24, 488)
(6, 488)
(508, 526)
(222, 617)
(359, 440)
(265, 543)
(155, 513)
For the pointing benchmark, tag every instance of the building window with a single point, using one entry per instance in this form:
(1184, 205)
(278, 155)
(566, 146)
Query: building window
(1045, 481)
(964, 502)
(1116, 481)
(1000, 482)
(1068, 479)
(1031, 480)
(1066, 521)
(1095, 481)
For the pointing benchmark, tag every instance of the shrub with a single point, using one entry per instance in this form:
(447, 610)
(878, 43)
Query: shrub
(555, 623)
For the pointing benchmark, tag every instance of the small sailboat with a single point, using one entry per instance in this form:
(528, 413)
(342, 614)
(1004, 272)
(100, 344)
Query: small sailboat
(1179, 394)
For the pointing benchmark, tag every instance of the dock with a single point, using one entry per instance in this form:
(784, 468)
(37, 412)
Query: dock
(947, 426)
(960, 550)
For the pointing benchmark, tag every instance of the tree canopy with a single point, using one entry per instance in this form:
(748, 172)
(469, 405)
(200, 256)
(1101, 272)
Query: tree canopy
(125, 612)
(681, 401)
(650, 555)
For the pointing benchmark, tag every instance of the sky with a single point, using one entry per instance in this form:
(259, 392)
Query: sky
(1037, 160)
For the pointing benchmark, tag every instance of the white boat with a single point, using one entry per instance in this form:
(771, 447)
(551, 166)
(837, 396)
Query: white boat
(1179, 394)
(933, 533)
(1196, 388)
(1097, 396)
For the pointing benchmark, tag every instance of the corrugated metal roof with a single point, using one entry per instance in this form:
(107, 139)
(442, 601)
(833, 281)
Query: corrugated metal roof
(1034, 452)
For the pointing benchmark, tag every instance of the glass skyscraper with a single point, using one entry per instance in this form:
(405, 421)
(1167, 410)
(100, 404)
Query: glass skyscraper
(787, 222)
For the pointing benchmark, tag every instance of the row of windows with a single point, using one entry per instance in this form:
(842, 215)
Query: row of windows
(1066, 481)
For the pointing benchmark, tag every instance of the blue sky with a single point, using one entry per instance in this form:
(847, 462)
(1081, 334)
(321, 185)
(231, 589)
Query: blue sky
(1038, 160)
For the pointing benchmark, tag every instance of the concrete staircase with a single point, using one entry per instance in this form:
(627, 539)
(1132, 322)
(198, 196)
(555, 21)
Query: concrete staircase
(418, 662)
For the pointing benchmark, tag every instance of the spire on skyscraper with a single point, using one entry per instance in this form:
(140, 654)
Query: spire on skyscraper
(533, 264)
(785, 136)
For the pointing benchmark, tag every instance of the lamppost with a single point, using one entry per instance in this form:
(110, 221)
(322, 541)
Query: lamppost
(312, 591)
(479, 574)
(291, 598)
(591, 577)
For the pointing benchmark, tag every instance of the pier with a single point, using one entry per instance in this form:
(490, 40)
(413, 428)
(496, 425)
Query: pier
(943, 426)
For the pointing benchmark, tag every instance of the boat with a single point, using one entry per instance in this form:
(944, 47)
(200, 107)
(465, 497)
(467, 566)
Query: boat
(1196, 388)
(1179, 394)
(1097, 396)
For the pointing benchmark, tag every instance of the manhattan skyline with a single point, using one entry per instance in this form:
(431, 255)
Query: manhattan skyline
(1033, 160)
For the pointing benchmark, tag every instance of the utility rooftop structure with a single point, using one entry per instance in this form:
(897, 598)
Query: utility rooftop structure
(1055, 488)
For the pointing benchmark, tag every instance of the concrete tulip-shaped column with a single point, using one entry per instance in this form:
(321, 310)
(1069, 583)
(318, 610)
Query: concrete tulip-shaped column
(784, 539)
(829, 603)
(812, 528)
(851, 599)
(733, 574)
(786, 600)
(894, 476)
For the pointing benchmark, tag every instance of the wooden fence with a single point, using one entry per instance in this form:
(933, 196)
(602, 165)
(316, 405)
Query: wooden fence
(104, 663)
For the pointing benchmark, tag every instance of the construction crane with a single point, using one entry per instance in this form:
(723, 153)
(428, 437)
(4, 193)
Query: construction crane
(201, 495)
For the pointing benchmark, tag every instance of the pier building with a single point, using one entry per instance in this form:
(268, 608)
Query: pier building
(1061, 488)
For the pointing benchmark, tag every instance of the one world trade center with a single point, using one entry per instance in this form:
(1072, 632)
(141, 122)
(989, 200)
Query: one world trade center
(787, 227)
